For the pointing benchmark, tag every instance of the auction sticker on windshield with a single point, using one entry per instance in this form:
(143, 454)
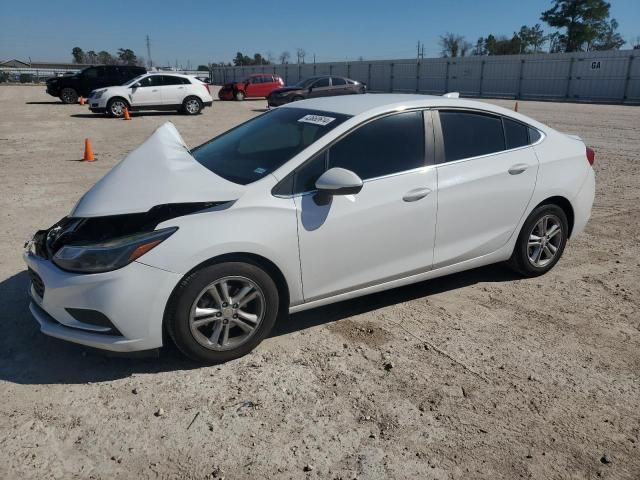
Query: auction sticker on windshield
(317, 120)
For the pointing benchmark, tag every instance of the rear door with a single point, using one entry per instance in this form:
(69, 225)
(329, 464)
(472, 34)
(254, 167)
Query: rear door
(338, 86)
(174, 89)
(486, 176)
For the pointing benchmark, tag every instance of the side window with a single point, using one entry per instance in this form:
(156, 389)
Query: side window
(516, 134)
(534, 135)
(470, 134)
(267, 79)
(388, 145)
(91, 73)
(305, 178)
(323, 82)
(169, 80)
(338, 81)
(151, 81)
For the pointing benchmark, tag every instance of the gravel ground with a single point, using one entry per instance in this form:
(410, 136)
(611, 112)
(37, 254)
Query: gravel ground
(476, 375)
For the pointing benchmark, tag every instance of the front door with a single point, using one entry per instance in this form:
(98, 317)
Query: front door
(485, 181)
(386, 231)
(320, 88)
(149, 91)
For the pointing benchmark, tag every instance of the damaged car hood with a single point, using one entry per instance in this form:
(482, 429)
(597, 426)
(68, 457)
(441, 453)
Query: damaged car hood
(160, 171)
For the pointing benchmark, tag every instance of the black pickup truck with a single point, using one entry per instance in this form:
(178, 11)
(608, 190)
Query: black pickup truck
(69, 87)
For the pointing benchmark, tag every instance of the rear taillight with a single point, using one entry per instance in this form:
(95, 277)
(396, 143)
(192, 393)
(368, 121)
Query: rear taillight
(591, 156)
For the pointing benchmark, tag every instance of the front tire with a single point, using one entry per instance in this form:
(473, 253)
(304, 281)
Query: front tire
(69, 96)
(240, 95)
(192, 106)
(116, 107)
(222, 311)
(541, 241)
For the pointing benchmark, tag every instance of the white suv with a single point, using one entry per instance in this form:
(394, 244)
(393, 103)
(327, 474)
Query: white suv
(154, 91)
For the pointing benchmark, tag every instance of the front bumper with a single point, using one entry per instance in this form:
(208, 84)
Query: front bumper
(133, 298)
(53, 91)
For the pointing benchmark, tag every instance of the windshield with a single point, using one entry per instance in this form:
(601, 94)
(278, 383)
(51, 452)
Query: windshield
(306, 83)
(258, 147)
(133, 80)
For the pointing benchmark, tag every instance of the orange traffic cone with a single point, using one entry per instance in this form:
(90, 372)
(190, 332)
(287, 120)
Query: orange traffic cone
(515, 108)
(82, 102)
(88, 151)
(126, 114)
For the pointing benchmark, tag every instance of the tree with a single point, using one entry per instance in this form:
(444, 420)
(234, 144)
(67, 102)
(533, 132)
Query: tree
(609, 38)
(451, 44)
(480, 49)
(636, 43)
(258, 59)
(300, 53)
(78, 55)
(91, 57)
(464, 48)
(203, 68)
(126, 56)
(284, 57)
(531, 38)
(582, 20)
(106, 58)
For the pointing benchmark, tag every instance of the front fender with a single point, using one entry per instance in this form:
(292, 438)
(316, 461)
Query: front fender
(268, 231)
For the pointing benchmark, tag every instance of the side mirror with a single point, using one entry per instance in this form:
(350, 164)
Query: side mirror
(339, 181)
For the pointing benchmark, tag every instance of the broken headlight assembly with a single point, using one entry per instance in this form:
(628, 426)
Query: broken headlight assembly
(110, 254)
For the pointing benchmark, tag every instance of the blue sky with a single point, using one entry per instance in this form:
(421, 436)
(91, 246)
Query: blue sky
(198, 32)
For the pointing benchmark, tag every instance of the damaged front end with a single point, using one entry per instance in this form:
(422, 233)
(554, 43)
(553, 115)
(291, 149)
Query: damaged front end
(101, 244)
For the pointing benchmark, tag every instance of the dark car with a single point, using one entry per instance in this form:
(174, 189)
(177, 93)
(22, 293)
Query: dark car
(315, 87)
(69, 87)
(256, 85)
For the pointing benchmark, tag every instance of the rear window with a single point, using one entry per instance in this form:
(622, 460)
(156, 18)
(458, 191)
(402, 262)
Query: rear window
(516, 134)
(256, 148)
(470, 134)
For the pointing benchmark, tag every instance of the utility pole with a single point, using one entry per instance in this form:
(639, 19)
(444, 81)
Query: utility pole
(420, 50)
(149, 62)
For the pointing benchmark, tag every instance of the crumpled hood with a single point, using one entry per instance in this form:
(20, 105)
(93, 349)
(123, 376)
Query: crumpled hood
(160, 171)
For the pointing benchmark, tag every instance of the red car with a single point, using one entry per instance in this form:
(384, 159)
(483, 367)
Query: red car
(256, 85)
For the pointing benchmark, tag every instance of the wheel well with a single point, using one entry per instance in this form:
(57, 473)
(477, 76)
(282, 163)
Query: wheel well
(565, 205)
(119, 98)
(257, 260)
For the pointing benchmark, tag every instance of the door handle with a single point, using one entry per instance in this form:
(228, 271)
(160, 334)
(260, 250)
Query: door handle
(154, 90)
(518, 168)
(416, 194)
(180, 88)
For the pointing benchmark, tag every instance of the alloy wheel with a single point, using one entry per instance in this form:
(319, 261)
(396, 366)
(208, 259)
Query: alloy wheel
(117, 108)
(545, 240)
(192, 106)
(227, 313)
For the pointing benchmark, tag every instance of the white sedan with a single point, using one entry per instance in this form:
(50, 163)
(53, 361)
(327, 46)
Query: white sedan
(153, 91)
(312, 203)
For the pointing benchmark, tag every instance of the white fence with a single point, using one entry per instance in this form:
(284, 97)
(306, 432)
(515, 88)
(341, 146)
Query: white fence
(607, 77)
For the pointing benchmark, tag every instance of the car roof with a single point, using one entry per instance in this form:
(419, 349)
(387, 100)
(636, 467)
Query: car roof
(378, 103)
(174, 74)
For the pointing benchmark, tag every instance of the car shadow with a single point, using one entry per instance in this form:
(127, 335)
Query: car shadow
(132, 114)
(45, 103)
(28, 357)
(357, 306)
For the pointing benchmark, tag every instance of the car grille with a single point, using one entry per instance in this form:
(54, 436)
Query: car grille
(37, 283)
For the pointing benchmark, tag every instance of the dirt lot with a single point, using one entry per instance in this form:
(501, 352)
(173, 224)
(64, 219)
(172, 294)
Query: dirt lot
(476, 375)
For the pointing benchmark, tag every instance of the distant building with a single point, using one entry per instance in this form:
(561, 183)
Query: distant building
(16, 63)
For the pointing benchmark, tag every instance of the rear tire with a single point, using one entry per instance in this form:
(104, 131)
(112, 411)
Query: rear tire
(541, 241)
(240, 96)
(200, 321)
(192, 106)
(69, 96)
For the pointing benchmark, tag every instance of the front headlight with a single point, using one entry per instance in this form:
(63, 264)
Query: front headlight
(97, 94)
(109, 255)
